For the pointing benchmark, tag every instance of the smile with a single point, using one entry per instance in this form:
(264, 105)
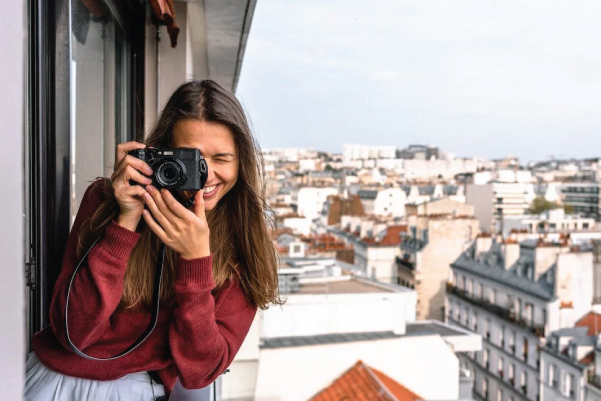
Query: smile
(209, 191)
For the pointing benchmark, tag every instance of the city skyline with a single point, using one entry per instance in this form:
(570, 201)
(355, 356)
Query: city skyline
(478, 81)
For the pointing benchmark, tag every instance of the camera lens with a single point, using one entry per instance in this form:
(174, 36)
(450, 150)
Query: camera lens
(170, 174)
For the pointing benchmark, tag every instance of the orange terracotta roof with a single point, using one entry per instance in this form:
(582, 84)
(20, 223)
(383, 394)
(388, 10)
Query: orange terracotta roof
(399, 391)
(588, 359)
(591, 320)
(363, 383)
(392, 237)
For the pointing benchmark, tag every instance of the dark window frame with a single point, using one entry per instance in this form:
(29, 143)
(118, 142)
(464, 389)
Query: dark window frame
(48, 141)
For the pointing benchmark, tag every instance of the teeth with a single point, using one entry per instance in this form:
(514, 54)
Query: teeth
(206, 190)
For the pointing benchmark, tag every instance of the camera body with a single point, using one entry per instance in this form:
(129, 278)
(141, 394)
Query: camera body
(179, 169)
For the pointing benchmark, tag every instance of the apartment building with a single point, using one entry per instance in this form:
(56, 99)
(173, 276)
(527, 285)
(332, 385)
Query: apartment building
(568, 362)
(495, 200)
(328, 324)
(438, 232)
(310, 200)
(549, 222)
(383, 201)
(583, 197)
(514, 294)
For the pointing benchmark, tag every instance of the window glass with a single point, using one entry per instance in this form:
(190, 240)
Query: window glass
(98, 97)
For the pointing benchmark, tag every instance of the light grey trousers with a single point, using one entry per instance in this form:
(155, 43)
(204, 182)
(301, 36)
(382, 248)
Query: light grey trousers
(44, 384)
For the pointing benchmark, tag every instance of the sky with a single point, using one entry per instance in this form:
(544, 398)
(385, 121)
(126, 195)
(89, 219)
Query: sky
(476, 78)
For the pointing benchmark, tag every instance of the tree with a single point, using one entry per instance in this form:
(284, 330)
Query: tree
(541, 204)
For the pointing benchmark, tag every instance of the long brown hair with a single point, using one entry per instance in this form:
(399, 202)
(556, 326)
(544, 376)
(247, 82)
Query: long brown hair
(239, 237)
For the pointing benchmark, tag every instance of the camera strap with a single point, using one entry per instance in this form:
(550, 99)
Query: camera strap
(156, 292)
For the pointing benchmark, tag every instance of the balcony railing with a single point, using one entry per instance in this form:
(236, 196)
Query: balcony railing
(594, 380)
(405, 263)
(503, 313)
(412, 244)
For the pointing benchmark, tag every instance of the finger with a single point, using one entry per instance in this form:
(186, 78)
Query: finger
(123, 148)
(136, 163)
(154, 226)
(135, 190)
(131, 173)
(156, 213)
(177, 208)
(199, 205)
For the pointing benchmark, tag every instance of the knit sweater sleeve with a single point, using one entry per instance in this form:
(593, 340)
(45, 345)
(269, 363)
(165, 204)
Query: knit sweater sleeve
(97, 288)
(206, 331)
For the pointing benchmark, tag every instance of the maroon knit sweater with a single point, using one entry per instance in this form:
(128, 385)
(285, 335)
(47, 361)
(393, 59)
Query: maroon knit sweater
(196, 338)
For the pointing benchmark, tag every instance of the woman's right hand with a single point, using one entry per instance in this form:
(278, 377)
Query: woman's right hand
(129, 197)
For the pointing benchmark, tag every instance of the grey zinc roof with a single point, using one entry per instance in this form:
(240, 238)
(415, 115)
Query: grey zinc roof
(426, 190)
(367, 193)
(287, 342)
(450, 190)
(431, 327)
(504, 277)
(571, 332)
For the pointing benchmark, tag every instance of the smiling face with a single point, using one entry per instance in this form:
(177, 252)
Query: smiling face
(217, 146)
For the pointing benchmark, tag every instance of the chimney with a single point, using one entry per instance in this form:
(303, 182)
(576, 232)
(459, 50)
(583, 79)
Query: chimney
(483, 244)
(511, 253)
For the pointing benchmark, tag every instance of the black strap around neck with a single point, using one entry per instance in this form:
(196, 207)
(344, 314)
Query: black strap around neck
(156, 292)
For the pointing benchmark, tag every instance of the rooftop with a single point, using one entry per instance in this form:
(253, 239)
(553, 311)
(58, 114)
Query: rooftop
(350, 286)
(592, 321)
(364, 383)
(421, 328)
(505, 277)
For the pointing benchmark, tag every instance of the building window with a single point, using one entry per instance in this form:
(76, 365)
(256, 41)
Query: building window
(512, 342)
(470, 286)
(502, 337)
(493, 296)
(467, 317)
(485, 389)
(524, 382)
(585, 225)
(511, 374)
(463, 285)
(479, 290)
(569, 385)
(529, 313)
(501, 367)
(475, 323)
(450, 309)
(486, 358)
(525, 350)
(487, 329)
(499, 395)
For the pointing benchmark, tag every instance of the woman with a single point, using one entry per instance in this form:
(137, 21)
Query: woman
(220, 265)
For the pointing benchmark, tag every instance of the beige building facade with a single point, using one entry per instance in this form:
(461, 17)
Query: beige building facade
(438, 232)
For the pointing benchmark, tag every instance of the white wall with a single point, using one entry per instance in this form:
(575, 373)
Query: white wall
(390, 202)
(298, 373)
(300, 225)
(315, 314)
(311, 200)
(240, 382)
(12, 81)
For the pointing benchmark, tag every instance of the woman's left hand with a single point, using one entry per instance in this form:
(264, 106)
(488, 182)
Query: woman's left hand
(186, 232)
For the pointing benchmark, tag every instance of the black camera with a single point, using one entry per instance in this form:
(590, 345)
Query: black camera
(175, 169)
